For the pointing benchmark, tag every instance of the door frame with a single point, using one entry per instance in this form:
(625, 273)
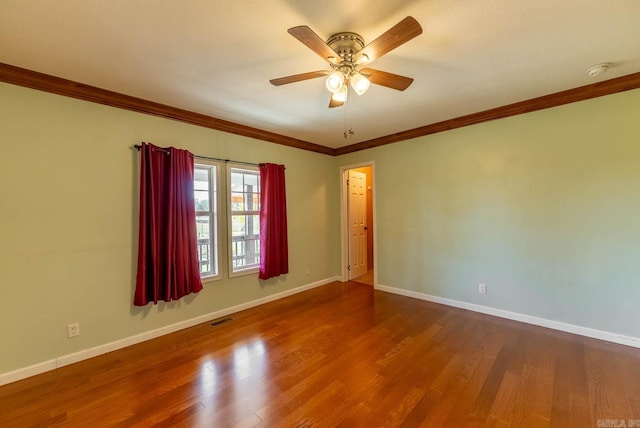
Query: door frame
(344, 223)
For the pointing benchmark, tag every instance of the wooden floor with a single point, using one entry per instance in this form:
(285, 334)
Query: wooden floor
(366, 279)
(342, 355)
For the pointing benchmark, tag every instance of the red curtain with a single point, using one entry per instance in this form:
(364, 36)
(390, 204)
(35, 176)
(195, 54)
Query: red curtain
(274, 250)
(168, 266)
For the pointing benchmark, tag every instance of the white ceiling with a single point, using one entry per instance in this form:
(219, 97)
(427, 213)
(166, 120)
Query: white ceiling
(216, 57)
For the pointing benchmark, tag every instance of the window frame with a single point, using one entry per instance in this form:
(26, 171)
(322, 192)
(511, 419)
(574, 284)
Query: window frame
(214, 211)
(254, 268)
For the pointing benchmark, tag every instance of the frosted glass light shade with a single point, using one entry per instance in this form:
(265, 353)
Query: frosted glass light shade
(341, 95)
(359, 83)
(335, 81)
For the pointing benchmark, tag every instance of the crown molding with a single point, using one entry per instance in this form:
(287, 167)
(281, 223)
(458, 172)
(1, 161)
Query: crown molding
(582, 93)
(56, 85)
(44, 82)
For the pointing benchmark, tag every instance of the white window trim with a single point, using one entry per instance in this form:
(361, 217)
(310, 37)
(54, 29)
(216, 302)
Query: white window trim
(252, 269)
(219, 209)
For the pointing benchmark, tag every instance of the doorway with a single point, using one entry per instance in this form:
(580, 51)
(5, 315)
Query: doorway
(358, 243)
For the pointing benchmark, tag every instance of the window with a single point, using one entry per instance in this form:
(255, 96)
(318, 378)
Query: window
(244, 219)
(206, 200)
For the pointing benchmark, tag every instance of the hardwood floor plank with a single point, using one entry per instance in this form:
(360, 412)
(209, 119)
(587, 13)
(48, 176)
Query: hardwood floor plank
(561, 401)
(358, 417)
(541, 396)
(460, 414)
(606, 388)
(634, 405)
(486, 396)
(397, 413)
(341, 355)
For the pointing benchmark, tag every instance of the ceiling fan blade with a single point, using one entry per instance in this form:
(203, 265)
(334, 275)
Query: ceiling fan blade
(333, 103)
(390, 80)
(314, 42)
(397, 35)
(298, 77)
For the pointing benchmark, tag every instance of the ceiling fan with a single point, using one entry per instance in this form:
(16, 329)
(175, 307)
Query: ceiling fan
(346, 53)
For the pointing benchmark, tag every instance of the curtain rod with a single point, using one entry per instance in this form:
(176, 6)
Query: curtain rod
(138, 147)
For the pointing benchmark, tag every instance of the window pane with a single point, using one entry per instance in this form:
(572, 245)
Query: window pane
(248, 227)
(203, 227)
(213, 192)
(244, 195)
(201, 178)
(251, 182)
(252, 201)
(238, 225)
(206, 221)
(202, 201)
(245, 226)
(204, 255)
(201, 189)
(238, 252)
(237, 201)
(252, 254)
(245, 253)
(236, 181)
(253, 228)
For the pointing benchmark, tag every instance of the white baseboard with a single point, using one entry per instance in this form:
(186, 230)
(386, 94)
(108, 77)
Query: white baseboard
(556, 325)
(85, 354)
(26, 372)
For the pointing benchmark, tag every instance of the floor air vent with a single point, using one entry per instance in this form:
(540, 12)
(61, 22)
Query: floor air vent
(222, 321)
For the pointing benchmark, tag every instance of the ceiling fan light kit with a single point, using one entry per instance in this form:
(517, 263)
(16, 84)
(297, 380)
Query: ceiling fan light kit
(346, 45)
(345, 52)
(359, 83)
(335, 81)
(340, 96)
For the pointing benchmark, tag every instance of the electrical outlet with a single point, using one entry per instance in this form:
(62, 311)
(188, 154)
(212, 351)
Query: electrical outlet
(482, 288)
(73, 330)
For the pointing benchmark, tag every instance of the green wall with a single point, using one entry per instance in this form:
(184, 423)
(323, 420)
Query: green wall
(544, 208)
(68, 225)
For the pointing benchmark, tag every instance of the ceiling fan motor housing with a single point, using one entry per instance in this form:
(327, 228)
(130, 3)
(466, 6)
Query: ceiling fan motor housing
(346, 45)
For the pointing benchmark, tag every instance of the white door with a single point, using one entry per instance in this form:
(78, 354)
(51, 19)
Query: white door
(357, 186)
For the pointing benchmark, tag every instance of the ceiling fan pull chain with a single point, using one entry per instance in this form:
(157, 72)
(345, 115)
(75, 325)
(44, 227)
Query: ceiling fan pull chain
(348, 133)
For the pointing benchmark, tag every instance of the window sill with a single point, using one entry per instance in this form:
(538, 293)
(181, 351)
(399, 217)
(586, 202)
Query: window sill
(244, 272)
(207, 279)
